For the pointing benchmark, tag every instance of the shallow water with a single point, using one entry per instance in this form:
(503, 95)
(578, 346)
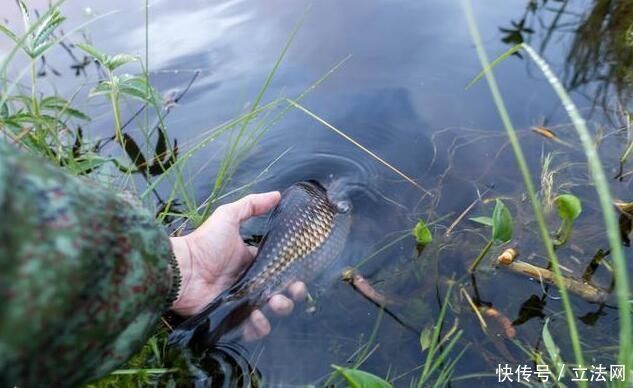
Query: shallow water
(401, 94)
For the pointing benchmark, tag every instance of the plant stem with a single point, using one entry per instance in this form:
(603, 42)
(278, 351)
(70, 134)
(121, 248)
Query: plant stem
(563, 232)
(35, 106)
(481, 256)
(114, 99)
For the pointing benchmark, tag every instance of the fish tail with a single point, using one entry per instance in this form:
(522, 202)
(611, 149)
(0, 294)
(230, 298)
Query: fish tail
(183, 333)
(219, 318)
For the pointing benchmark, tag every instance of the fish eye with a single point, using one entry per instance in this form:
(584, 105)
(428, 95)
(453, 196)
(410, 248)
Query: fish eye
(343, 206)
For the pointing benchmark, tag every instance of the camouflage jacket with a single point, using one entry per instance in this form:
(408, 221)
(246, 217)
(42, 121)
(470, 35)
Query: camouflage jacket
(84, 275)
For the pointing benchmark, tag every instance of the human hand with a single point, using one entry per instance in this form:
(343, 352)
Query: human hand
(212, 258)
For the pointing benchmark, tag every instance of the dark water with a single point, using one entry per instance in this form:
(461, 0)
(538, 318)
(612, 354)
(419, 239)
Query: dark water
(401, 94)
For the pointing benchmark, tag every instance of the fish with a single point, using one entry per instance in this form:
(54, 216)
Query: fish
(306, 232)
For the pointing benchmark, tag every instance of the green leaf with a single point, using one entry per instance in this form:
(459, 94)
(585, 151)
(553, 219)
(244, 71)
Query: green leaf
(482, 220)
(62, 106)
(4, 111)
(552, 350)
(5, 30)
(94, 52)
(568, 207)
(119, 60)
(426, 338)
(21, 118)
(46, 27)
(501, 223)
(25, 14)
(41, 49)
(494, 63)
(422, 233)
(103, 88)
(138, 88)
(360, 379)
(90, 164)
(548, 341)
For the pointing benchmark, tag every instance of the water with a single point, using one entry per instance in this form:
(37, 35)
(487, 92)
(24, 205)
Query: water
(401, 94)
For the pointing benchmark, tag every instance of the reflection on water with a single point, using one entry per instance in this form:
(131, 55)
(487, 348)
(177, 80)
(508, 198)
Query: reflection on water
(401, 94)
(223, 366)
(599, 58)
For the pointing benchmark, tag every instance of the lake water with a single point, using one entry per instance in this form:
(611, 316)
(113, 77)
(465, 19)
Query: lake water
(400, 92)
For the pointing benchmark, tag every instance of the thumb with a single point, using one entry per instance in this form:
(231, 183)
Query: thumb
(250, 206)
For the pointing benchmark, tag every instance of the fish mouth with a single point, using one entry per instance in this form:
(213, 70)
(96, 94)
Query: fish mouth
(338, 200)
(343, 206)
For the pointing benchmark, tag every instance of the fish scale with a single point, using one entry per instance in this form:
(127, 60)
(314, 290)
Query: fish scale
(306, 233)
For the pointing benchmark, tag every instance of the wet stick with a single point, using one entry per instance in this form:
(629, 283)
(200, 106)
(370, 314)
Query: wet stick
(587, 291)
(361, 285)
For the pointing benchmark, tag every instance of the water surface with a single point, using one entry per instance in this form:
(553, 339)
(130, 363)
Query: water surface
(401, 93)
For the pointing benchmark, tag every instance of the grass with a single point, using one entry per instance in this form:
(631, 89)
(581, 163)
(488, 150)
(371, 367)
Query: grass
(50, 126)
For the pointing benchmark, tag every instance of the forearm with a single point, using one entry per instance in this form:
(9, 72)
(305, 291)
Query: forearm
(84, 274)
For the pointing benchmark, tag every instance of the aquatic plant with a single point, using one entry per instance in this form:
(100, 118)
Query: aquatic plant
(422, 233)
(501, 224)
(360, 379)
(568, 208)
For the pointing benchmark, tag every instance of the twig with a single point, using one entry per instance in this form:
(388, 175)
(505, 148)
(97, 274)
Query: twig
(476, 310)
(360, 284)
(586, 291)
(167, 324)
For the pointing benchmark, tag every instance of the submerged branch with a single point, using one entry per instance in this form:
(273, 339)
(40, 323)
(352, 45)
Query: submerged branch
(587, 291)
(360, 284)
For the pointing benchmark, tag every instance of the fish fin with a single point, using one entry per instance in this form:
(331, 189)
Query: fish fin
(182, 334)
(218, 319)
(222, 322)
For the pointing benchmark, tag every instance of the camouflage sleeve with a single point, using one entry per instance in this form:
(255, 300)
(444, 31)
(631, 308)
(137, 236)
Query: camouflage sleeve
(84, 275)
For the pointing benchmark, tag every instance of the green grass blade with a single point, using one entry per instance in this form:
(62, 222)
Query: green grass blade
(525, 173)
(357, 144)
(229, 160)
(608, 211)
(492, 64)
(436, 336)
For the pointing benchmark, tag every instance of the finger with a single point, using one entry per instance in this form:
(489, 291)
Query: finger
(249, 333)
(250, 206)
(298, 291)
(258, 326)
(281, 305)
